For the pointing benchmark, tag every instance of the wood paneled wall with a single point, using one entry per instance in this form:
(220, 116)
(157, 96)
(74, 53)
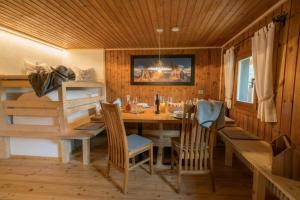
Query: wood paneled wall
(286, 64)
(207, 76)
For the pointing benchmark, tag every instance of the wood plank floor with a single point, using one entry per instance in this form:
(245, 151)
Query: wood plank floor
(30, 179)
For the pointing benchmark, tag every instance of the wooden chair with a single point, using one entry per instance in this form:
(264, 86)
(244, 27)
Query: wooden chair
(193, 151)
(121, 148)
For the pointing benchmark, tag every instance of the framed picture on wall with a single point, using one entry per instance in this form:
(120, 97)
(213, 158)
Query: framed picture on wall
(163, 70)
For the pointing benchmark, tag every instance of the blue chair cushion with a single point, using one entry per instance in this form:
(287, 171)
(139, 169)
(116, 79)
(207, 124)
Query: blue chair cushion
(135, 142)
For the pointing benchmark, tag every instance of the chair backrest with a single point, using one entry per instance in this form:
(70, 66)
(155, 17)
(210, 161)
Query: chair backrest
(117, 141)
(196, 142)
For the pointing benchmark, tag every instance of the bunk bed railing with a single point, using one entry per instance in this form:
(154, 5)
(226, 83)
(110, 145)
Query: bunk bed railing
(41, 109)
(59, 110)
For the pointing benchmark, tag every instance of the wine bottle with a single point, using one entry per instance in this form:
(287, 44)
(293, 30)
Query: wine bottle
(157, 111)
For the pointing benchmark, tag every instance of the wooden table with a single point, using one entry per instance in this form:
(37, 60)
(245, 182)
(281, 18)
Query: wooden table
(159, 137)
(148, 116)
(257, 156)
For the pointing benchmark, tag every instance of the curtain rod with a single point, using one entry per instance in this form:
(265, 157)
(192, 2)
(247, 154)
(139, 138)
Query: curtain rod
(255, 21)
(163, 48)
(279, 19)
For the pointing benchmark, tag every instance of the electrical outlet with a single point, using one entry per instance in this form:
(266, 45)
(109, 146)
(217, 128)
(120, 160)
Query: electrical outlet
(200, 92)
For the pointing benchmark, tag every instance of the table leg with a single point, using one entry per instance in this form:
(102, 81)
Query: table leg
(259, 186)
(159, 159)
(65, 150)
(140, 132)
(4, 147)
(86, 152)
(228, 154)
(140, 128)
(180, 127)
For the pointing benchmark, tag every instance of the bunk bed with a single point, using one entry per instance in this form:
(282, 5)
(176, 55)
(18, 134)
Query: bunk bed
(62, 113)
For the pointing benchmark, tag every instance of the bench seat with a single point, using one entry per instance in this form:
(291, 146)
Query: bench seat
(83, 135)
(257, 156)
(65, 141)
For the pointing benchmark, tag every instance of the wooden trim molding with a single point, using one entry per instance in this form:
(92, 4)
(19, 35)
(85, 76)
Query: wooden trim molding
(163, 48)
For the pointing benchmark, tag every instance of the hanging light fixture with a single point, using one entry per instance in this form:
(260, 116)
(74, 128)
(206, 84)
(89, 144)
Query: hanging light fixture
(159, 66)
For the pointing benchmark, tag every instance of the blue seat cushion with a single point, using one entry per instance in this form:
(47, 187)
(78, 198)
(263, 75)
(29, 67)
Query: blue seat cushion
(135, 142)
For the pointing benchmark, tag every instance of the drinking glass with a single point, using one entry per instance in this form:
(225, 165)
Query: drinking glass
(161, 98)
(195, 101)
(135, 100)
(170, 100)
(128, 98)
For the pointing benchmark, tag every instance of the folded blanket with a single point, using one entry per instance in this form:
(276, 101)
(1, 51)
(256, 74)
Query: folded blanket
(209, 112)
(44, 82)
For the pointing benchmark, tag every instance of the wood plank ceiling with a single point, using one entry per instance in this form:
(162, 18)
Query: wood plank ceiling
(130, 23)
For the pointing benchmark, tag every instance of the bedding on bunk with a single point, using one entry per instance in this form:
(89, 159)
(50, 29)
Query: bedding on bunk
(44, 82)
(35, 67)
(87, 74)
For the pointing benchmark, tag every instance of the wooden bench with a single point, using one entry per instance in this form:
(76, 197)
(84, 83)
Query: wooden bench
(83, 135)
(257, 156)
(64, 140)
(229, 122)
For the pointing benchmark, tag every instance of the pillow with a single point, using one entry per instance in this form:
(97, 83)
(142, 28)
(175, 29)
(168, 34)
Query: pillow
(85, 74)
(34, 68)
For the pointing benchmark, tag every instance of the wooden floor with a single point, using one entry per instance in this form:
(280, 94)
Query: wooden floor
(30, 179)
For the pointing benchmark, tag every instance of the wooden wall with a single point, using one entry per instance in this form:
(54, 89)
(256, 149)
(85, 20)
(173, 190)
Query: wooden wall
(286, 64)
(207, 76)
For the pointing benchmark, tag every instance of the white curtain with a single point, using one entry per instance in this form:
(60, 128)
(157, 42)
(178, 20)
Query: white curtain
(262, 52)
(229, 75)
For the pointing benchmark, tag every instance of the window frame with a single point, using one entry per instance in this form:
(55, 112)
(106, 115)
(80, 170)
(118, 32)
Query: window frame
(250, 107)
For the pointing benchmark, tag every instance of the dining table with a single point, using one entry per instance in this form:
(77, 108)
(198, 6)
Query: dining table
(161, 137)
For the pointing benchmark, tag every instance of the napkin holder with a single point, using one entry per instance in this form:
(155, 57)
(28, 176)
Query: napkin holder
(285, 158)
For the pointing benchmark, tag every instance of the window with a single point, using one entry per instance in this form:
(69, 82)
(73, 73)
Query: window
(245, 87)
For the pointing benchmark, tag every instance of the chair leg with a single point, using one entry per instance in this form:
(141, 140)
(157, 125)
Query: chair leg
(108, 169)
(125, 183)
(178, 181)
(212, 174)
(172, 157)
(151, 159)
(213, 181)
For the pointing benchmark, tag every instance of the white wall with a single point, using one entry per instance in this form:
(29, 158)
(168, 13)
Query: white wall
(87, 58)
(15, 50)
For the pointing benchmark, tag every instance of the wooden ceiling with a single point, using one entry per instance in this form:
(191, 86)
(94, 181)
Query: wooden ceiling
(130, 23)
